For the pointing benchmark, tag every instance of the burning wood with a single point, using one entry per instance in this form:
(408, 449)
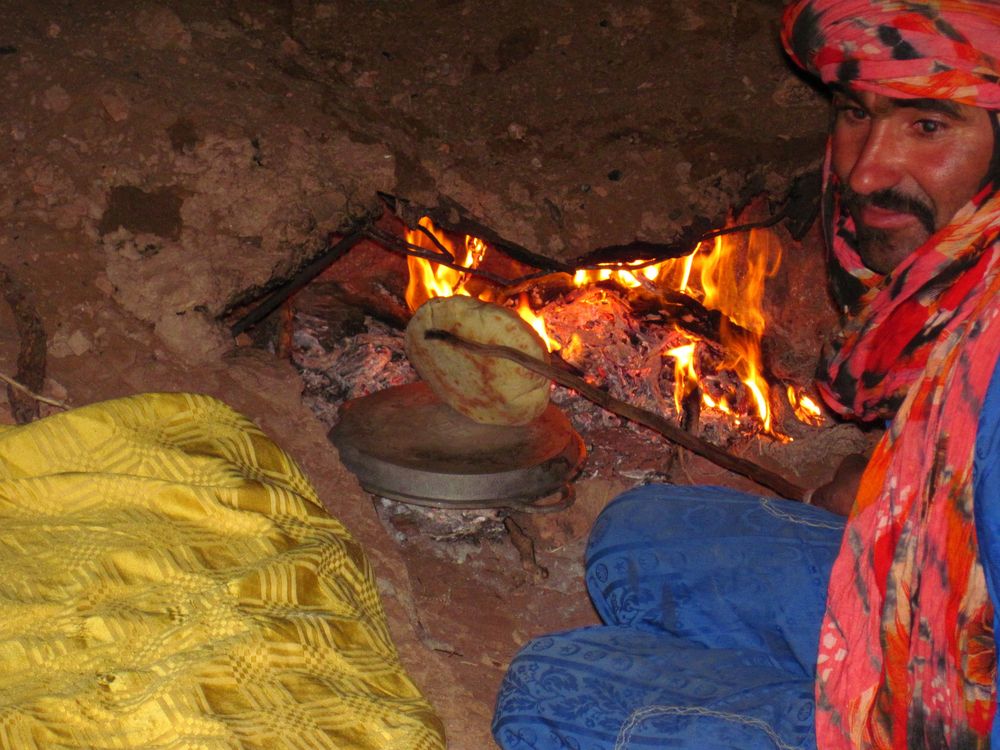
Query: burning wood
(678, 334)
(707, 320)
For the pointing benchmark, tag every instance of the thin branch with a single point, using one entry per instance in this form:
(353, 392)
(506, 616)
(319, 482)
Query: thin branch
(397, 244)
(31, 394)
(444, 258)
(437, 243)
(329, 254)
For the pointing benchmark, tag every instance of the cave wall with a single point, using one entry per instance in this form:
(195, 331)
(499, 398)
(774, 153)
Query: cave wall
(569, 126)
(202, 151)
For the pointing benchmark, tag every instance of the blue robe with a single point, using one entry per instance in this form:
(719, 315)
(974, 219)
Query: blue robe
(712, 601)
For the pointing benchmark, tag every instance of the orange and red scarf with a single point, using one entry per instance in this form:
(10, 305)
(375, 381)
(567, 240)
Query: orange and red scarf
(907, 656)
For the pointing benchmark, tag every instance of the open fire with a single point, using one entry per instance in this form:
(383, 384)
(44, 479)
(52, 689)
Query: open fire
(727, 275)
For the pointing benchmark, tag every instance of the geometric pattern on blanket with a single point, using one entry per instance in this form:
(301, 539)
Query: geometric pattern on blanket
(169, 579)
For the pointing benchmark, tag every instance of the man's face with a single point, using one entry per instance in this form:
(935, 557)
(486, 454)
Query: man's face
(906, 165)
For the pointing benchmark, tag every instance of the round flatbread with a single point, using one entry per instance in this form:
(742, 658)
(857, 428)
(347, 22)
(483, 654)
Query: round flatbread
(490, 390)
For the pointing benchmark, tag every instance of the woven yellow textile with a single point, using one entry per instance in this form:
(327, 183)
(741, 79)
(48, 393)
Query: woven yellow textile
(169, 579)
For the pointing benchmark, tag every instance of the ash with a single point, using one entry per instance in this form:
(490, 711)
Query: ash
(404, 521)
(351, 367)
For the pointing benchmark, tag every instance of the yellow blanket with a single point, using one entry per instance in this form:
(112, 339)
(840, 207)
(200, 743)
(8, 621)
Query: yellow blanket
(169, 579)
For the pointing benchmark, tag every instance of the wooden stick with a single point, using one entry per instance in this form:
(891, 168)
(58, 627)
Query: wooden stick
(31, 394)
(735, 464)
(326, 258)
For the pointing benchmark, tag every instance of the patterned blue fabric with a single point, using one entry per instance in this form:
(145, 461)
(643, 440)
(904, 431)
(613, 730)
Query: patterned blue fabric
(713, 601)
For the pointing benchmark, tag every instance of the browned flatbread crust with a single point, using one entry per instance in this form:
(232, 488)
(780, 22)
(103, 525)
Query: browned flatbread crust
(489, 390)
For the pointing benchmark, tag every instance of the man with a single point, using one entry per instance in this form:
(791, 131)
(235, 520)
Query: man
(743, 622)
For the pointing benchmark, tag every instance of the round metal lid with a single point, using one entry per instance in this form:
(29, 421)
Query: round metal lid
(406, 444)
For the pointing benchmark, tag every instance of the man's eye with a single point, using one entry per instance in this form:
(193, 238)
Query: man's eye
(852, 114)
(930, 127)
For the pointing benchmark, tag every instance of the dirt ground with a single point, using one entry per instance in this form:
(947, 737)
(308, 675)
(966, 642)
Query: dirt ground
(165, 163)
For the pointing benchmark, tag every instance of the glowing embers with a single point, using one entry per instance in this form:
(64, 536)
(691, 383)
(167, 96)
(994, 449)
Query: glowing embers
(594, 325)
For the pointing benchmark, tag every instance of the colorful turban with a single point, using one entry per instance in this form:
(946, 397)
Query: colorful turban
(938, 49)
(907, 657)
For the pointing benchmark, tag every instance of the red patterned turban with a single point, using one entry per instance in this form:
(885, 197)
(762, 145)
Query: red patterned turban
(946, 49)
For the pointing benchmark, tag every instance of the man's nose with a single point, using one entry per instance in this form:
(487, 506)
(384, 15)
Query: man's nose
(878, 165)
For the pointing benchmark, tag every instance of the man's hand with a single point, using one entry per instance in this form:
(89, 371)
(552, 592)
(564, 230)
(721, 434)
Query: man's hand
(837, 495)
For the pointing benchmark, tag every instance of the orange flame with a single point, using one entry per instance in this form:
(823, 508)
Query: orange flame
(729, 277)
(536, 322)
(732, 278)
(628, 278)
(685, 376)
(643, 273)
(429, 279)
(805, 409)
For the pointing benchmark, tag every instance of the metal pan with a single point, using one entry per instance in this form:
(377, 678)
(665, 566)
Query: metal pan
(405, 444)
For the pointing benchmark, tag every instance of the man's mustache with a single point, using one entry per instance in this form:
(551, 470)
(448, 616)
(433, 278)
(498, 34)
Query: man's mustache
(890, 200)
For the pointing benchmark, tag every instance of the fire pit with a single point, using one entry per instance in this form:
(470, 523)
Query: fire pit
(678, 336)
